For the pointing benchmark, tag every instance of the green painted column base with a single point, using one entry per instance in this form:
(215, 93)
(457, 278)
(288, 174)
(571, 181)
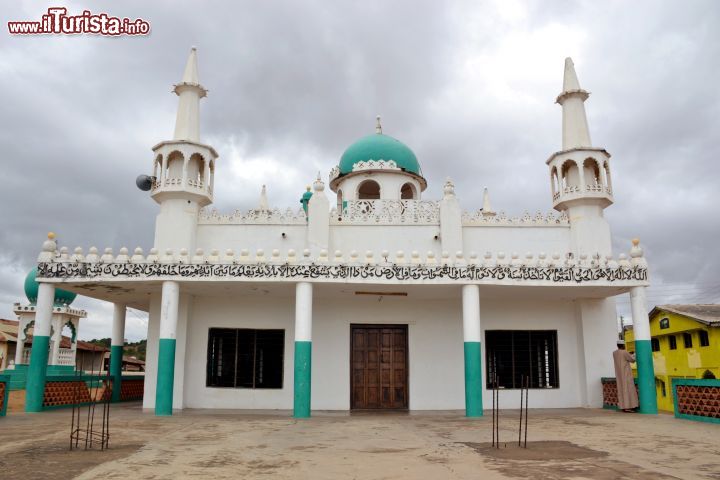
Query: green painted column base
(646, 377)
(303, 367)
(116, 355)
(165, 377)
(35, 390)
(473, 380)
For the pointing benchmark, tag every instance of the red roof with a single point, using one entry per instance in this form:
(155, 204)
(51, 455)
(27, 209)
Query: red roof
(66, 343)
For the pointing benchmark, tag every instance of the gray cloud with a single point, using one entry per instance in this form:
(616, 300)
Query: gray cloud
(468, 85)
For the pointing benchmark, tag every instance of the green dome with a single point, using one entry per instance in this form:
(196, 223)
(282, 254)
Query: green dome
(62, 297)
(379, 147)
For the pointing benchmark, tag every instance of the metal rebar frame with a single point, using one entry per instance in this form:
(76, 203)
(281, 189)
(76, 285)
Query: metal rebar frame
(496, 411)
(91, 434)
(524, 392)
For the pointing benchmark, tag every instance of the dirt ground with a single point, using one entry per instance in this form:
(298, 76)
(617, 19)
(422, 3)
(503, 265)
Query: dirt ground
(562, 444)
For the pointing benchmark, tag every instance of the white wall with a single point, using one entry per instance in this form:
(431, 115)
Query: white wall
(597, 337)
(251, 237)
(516, 239)
(237, 312)
(379, 237)
(436, 375)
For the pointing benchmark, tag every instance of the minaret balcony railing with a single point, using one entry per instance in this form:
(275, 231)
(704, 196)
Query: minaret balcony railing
(177, 184)
(574, 192)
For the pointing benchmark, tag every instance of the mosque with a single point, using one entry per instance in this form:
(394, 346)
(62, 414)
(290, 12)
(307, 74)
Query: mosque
(368, 296)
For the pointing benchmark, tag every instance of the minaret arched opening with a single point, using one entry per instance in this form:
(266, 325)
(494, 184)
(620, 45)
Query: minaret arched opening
(196, 170)
(408, 192)
(339, 201)
(158, 167)
(554, 182)
(570, 174)
(591, 172)
(175, 163)
(368, 190)
(608, 181)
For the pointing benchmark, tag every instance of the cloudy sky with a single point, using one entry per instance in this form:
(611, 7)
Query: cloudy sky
(468, 85)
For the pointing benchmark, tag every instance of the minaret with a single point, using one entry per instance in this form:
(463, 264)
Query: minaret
(575, 132)
(580, 173)
(187, 123)
(184, 168)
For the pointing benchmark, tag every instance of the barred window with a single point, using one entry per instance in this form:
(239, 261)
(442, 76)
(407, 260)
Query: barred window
(245, 358)
(673, 342)
(704, 338)
(514, 354)
(687, 340)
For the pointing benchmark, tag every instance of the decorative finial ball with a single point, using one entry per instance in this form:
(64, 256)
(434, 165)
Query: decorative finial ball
(51, 235)
(635, 242)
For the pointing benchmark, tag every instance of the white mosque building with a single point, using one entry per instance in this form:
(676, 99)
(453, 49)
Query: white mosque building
(370, 296)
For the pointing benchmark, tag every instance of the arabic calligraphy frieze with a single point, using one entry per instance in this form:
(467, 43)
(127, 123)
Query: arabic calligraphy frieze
(341, 272)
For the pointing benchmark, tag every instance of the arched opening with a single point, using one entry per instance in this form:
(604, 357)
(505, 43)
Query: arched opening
(591, 172)
(570, 174)
(608, 181)
(407, 192)
(175, 165)
(340, 202)
(196, 170)
(157, 167)
(554, 180)
(369, 190)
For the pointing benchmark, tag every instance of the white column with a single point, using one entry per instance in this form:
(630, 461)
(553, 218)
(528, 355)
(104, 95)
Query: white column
(166, 351)
(20, 345)
(169, 309)
(303, 350)
(56, 340)
(643, 351)
(641, 321)
(34, 392)
(118, 326)
(472, 351)
(303, 312)
(471, 313)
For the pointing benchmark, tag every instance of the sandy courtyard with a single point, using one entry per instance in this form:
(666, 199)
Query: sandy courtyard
(562, 444)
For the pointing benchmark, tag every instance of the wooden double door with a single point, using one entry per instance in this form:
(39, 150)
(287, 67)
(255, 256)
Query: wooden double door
(378, 367)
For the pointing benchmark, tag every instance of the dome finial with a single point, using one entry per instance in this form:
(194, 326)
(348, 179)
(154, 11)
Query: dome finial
(378, 126)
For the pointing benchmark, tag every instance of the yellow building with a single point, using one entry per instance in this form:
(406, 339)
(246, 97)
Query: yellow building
(686, 344)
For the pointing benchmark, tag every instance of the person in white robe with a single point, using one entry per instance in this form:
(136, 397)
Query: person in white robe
(626, 391)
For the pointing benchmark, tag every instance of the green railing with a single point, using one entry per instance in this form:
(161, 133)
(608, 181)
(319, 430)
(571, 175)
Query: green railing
(696, 399)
